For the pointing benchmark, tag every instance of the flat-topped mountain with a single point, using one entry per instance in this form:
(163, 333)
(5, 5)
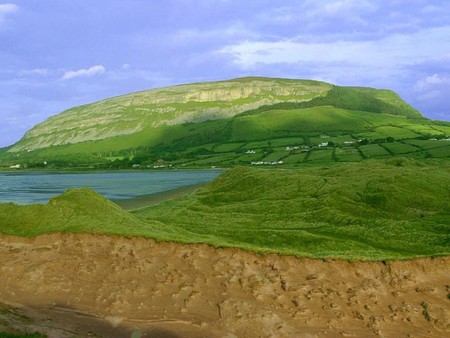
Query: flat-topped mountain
(191, 103)
(180, 123)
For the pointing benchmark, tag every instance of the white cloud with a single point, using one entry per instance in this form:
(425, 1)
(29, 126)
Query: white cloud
(387, 56)
(343, 9)
(431, 81)
(345, 6)
(432, 87)
(236, 30)
(279, 15)
(84, 72)
(36, 71)
(5, 10)
(126, 66)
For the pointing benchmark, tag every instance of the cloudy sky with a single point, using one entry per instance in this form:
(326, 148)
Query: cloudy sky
(58, 54)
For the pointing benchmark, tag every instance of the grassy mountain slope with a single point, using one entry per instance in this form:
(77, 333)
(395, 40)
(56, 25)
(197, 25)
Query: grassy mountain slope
(132, 113)
(352, 136)
(215, 124)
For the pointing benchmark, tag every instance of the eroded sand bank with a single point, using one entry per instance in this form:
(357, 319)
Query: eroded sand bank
(119, 287)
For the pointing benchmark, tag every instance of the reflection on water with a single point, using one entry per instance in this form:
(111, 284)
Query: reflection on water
(39, 187)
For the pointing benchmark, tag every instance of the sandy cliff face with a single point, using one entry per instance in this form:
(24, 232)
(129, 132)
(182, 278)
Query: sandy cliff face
(118, 287)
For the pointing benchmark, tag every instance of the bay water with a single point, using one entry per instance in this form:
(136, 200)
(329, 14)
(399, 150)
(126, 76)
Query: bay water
(39, 187)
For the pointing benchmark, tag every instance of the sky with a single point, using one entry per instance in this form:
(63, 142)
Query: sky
(55, 55)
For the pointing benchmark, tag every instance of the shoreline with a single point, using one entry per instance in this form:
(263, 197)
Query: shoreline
(156, 198)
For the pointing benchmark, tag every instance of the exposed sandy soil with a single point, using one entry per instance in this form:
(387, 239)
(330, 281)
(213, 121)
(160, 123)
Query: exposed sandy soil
(100, 286)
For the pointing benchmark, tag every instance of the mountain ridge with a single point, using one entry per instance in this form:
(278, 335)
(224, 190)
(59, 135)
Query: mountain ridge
(233, 122)
(187, 103)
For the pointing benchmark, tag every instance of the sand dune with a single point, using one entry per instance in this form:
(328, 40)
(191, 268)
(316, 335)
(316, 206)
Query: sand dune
(90, 285)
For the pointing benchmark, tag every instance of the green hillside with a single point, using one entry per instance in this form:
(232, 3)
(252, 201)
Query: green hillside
(230, 123)
(389, 209)
(75, 211)
(376, 210)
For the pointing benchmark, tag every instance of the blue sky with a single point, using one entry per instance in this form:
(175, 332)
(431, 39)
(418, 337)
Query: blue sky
(58, 54)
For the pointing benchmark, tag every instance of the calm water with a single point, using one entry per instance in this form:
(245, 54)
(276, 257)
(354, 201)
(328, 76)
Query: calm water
(27, 188)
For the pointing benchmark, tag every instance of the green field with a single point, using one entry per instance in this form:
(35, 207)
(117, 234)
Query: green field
(293, 158)
(374, 150)
(348, 154)
(401, 148)
(429, 144)
(373, 210)
(321, 155)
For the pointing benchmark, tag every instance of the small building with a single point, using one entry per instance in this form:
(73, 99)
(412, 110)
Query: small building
(15, 166)
(291, 148)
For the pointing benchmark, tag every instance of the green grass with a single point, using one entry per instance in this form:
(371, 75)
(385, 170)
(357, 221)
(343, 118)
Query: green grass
(401, 148)
(442, 152)
(227, 147)
(257, 144)
(261, 132)
(348, 154)
(374, 150)
(247, 158)
(320, 155)
(399, 132)
(377, 210)
(288, 141)
(75, 211)
(429, 144)
(276, 155)
(171, 122)
(371, 210)
(293, 158)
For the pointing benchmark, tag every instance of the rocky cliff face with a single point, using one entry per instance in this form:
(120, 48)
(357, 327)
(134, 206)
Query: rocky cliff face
(117, 287)
(129, 114)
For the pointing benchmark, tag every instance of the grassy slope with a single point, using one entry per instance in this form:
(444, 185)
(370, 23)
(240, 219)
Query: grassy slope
(75, 211)
(376, 210)
(180, 141)
(174, 105)
(248, 109)
(373, 210)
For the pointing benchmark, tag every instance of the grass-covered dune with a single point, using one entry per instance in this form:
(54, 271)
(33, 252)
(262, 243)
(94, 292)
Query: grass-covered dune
(75, 211)
(374, 210)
